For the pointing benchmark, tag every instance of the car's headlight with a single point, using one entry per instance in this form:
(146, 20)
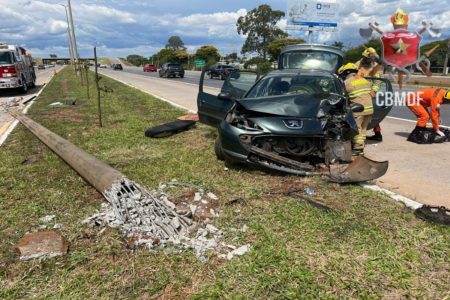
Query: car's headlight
(334, 99)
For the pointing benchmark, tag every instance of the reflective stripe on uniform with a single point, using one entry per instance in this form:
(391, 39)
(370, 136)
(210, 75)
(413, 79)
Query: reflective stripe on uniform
(368, 109)
(360, 92)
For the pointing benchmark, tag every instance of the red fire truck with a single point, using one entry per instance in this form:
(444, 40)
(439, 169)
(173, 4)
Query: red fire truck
(16, 68)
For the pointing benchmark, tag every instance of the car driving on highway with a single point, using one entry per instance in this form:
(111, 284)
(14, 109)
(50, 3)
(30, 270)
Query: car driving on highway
(220, 71)
(150, 68)
(171, 70)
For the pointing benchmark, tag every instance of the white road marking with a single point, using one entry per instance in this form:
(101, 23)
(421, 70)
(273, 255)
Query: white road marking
(412, 121)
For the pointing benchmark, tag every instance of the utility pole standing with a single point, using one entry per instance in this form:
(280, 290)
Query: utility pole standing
(98, 89)
(69, 37)
(446, 59)
(74, 40)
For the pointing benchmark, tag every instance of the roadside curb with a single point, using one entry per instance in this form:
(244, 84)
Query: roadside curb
(30, 102)
(396, 197)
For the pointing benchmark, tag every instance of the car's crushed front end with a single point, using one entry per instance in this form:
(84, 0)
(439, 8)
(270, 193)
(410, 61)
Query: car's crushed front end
(297, 119)
(304, 134)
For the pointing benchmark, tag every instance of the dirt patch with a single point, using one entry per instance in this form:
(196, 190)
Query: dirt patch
(72, 115)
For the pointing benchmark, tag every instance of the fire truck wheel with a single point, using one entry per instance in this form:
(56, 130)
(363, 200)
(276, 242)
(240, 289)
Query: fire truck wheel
(24, 87)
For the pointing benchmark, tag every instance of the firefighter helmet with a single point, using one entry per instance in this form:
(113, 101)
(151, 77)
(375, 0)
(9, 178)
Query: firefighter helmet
(348, 68)
(447, 95)
(370, 52)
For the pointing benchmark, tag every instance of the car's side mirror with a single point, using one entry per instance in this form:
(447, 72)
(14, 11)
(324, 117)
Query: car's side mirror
(224, 96)
(357, 108)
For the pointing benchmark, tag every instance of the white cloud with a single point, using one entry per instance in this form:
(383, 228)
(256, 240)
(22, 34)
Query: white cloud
(215, 25)
(140, 27)
(100, 13)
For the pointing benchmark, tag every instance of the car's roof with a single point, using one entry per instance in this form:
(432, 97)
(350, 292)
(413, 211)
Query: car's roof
(302, 72)
(317, 47)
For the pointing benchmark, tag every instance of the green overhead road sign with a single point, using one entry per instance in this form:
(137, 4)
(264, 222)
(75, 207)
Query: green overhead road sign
(200, 62)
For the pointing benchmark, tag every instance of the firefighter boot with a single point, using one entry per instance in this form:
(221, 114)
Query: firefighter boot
(376, 137)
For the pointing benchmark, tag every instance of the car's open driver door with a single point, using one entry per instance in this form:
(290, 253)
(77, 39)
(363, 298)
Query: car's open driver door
(213, 108)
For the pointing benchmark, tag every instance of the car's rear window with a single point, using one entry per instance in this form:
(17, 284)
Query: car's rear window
(174, 65)
(294, 84)
(311, 60)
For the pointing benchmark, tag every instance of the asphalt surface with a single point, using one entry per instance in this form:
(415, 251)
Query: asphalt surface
(42, 77)
(193, 77)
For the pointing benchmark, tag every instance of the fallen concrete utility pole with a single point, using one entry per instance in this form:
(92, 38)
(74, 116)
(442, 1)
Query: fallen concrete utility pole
(138, 211)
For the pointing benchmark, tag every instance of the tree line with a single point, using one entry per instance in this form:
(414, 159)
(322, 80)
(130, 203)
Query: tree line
(264, 42)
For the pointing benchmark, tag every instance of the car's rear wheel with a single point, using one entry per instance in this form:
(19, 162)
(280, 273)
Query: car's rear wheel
(181, 76)
(218, 149)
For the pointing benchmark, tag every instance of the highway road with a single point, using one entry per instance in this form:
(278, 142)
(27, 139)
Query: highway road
(42, 77)
(419, 172)
(193, 77)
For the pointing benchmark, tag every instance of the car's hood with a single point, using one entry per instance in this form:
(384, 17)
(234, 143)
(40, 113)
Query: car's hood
(301, 106)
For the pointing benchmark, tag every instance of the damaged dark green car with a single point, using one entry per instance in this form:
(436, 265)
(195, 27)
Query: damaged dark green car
(297, 119)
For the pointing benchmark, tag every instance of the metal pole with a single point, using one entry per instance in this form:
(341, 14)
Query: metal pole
(98, 89)
(69, 35)
(310, 32)
(86, 67)
(446, 60)
(74, 40)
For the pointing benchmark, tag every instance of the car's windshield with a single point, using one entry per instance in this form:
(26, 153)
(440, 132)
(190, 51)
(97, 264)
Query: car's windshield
(5, 58)
(311, 60)
(294, 85)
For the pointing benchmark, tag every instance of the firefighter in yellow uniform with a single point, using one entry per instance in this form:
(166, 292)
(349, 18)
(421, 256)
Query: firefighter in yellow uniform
(359, 90)
(370, 66)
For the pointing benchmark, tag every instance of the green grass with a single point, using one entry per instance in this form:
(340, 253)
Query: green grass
(366, 247)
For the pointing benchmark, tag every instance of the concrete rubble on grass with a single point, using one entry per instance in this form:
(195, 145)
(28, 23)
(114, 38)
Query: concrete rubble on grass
(151, 219)
(143, 217)
(41, 245)
(47, 219)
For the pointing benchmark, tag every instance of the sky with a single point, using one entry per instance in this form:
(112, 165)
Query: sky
(122, 27)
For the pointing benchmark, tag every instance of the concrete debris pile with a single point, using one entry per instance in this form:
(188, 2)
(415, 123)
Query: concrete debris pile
(151, 219)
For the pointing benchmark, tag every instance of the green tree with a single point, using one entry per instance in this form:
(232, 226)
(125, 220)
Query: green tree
(354, 54)
(175, 43)
(209, 53)
(180, 56)
(53, 56)
(231, 56)
(260, 26)
(438, 56)
(136, 60)
(262, 65)
(274, 48)
(338, 44)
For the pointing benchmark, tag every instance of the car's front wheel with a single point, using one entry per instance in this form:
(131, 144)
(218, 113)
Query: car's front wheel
(218, 149)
